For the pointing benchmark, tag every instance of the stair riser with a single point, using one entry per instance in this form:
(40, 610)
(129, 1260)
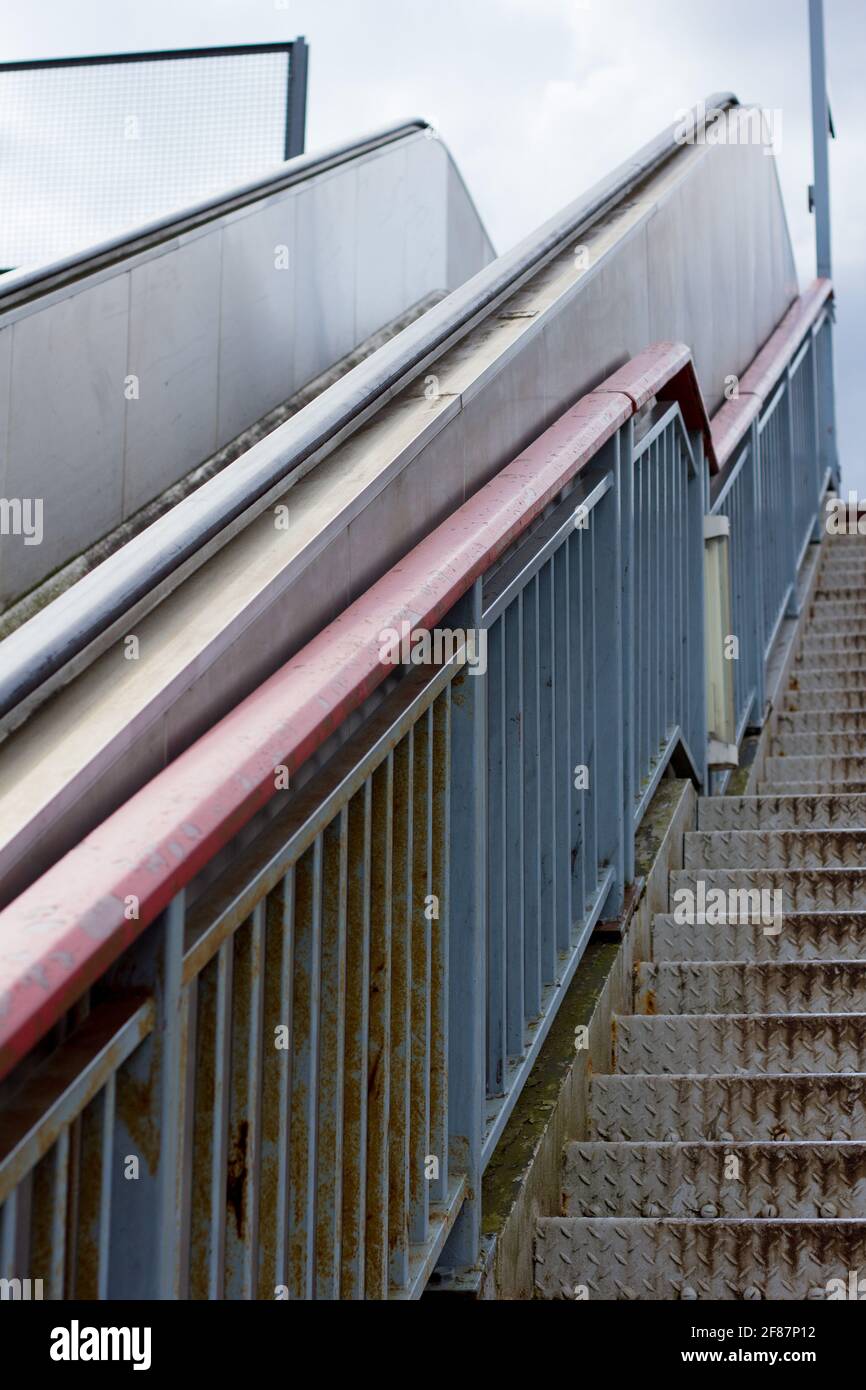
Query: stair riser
(802, 701)
(825, 769)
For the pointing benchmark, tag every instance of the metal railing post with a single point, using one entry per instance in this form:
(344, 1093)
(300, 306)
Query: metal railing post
(698, 491)
(609, 745)
(625, 490)
(789, 522)
(755, 589)
(467, 919)
(149, 1207)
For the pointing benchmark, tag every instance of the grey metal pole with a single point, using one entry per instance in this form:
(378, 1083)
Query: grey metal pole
(820, 137)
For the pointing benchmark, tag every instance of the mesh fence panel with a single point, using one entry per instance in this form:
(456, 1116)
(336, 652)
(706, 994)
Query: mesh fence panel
(90, 149)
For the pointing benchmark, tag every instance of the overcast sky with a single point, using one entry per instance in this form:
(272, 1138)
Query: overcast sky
(539, 98)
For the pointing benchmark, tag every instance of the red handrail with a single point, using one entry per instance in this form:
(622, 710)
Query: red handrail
(64, 931)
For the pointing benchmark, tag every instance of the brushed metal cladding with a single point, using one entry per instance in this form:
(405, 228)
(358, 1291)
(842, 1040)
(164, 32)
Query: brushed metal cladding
(741, 1044)
(66, 427)
(173, 356)
(257, 330)
(209, 323)
(804, 936)
(806, 1182)
(628, 1259)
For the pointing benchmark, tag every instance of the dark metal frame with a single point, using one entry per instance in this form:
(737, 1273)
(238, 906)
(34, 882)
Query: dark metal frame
(296, 94)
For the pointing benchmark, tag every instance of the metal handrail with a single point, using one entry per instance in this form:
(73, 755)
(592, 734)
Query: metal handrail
(175, 543)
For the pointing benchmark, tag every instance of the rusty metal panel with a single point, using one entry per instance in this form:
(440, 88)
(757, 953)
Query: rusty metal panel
(305, 1067)
(401, 1018)
(356, 1042)
(243, 1177)
(806, 1181)
(329, 1108)
(379, 1056)
(421, 980)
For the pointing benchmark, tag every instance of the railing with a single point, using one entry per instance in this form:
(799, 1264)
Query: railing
(776, 442)
(262, 1029)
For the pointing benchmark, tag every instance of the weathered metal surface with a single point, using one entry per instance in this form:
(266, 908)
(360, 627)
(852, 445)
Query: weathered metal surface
(806, 1181)
(824, 744)
(731, 987)
(682, 1107)
(782, 812)
(775, 849)
(744, 1043)
(801, 890)
(650, 1259)
(805, 936)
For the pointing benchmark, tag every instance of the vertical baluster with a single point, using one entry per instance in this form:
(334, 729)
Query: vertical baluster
(547, 824)
(496, 864)
(379, 1050)
(439, 927)
(329, 1167)
(532, 791)
(305, 1066)
(561, 786)
(513, 690)
(243, 1175)
(401, 1020)
(356, 1041)
(276, 1086)
(419, 1129)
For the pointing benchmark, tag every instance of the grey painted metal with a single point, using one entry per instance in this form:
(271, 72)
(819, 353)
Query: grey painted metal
(821, 935)
(74, 620)
(820, 139)
(158, 360)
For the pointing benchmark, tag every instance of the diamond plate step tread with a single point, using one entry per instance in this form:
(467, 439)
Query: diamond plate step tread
(822, 721)
(762, 987)
(807, 700)
(727, 1108)
(775, 849)
(804, 769)
(802, 890)
(824, 678)
(830, 743)
(806, 1181)
(638, 1258)
(739, 1044)
(804, 936)
(812, 788)
(782, 813)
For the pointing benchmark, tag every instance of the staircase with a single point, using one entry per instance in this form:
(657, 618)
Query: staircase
(726, 1156)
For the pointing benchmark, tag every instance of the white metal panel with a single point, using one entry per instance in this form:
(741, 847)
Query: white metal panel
(380, 252)
(66, 424)
(325, 228)
(257, 315)
(173, 351)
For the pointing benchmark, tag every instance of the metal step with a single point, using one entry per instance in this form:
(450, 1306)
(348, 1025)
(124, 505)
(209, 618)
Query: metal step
(740, 1044)
(803, 769)
(727, 1108)
(824, 678)
(801, 700)
(743, 987)
(812, 788)
(782, 813)
(827, 733)
(775, 849)
(804, 936)
(685, 1259)
(802, 890)
(807, 1181)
